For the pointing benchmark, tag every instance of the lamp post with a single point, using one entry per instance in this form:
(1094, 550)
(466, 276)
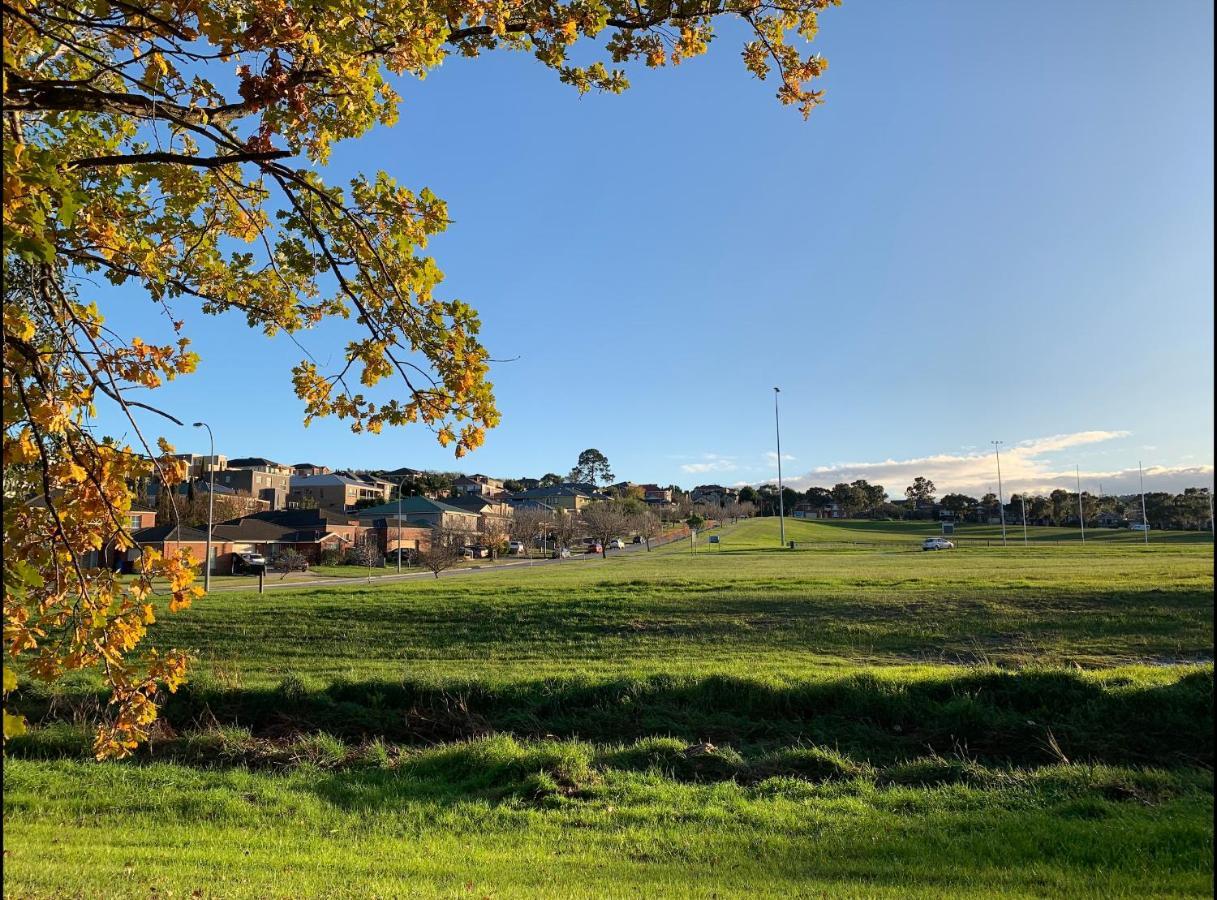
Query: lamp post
(399, 488)
(1081, 515)
(781, 500)
(1023, 500)
(211, 501)
(1001, 503)
(1144, 517)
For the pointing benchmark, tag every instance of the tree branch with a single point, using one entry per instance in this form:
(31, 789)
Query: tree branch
(208, 162)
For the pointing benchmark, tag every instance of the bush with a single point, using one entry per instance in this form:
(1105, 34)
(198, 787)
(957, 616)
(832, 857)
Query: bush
(333, 556)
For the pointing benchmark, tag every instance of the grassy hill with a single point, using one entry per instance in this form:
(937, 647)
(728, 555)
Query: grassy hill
(1024, 721)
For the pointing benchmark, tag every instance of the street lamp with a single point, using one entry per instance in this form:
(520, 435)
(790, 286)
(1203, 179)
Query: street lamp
(777, 424)
(1001, 502)
(211, 501)
(399, 490)
(1081, 516)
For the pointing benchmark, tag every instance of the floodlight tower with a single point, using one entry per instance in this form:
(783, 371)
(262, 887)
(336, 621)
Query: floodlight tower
(781, 500)
(1001, 502)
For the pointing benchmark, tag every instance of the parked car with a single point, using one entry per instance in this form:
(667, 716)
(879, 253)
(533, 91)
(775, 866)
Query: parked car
(560, 554)
(595, 548)
(1139, 526)
(616, 544)
(637, 539)
(516, 547)
(476, 551)
(248, 563)
(937, 543)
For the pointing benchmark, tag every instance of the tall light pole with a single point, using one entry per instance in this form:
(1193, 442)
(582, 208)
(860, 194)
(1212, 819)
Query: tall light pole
(1144, 517)
(1081, 517)
(211, 501)
(399, 487)
(781, 500)
(1023, 500)
(1001, 503)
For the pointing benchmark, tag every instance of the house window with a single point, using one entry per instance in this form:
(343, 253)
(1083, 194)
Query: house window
(133, 521)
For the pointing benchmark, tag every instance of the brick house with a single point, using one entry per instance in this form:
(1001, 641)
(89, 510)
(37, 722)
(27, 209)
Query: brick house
(336, 491)
(172, 539)
(307, 531)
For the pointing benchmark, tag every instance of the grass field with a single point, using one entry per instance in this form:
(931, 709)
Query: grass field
(1023, 721)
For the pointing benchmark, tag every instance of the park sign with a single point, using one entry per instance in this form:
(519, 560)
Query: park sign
(713, 539)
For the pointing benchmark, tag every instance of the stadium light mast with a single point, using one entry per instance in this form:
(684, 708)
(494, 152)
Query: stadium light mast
(777, 424)
(1022, 498)
(1144, 517)
(1001, 503)
(1081, 518)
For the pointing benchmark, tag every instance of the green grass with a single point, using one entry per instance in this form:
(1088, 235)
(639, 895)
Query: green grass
(1022, 721)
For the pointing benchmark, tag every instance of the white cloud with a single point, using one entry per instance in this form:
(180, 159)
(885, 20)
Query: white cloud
(1025, 467)
(772, 457)
(711, 462)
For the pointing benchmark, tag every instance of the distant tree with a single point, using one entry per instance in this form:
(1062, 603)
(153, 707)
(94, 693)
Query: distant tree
(550, 479)
(818, 497)
(496, 531)
(192, 509)
(566, 527)
(1039, 508)
(789, 498)
(592, 468)
(695, 521)
(635, 492)
(445, 549)
(747, 509)
(989, 505)
(1063, 504)
(289, 561)
(849, 498)
(921, 490)
(747, 494)
(605, 521)
(513, 485)
(365, 551)
(887, 510)
(875, 494)
(648, 525)
(958, 504)
(529, 524)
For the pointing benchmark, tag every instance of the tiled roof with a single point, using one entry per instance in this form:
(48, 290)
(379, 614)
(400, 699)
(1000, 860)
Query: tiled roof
(161, 533)
(410, 505)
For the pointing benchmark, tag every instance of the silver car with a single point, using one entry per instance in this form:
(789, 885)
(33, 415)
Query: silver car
(937, 543)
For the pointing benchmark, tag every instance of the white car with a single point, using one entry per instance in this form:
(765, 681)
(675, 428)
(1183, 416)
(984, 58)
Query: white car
(516, 547)
(615, 544)
(1138, 526)
(937, 543)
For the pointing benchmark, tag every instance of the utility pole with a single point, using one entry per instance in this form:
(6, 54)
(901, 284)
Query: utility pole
(400, 485)
(1001, 503)
(781, 501)
(1081, 517)
(1023, 500)
(211, 502)
(1144, 517)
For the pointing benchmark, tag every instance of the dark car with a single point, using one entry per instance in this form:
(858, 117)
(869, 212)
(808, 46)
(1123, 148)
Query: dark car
(248, 563)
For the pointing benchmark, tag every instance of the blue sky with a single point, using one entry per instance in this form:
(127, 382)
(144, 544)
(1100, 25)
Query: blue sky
(998, 226)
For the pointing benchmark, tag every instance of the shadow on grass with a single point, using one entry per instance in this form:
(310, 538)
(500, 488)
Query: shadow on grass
(991, 716)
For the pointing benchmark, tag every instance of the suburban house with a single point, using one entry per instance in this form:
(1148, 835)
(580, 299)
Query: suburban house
(245, 504)
(714, 494)
(478, 486)
(334, 491)
(172, 539)
(410, 538)
(493, 515)
(258, 477)
(565, 497)
(307, 531)
(656, 495)
(304, 470)
(424, 512)
(383, 487)
(138, 518)
(804, 510)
